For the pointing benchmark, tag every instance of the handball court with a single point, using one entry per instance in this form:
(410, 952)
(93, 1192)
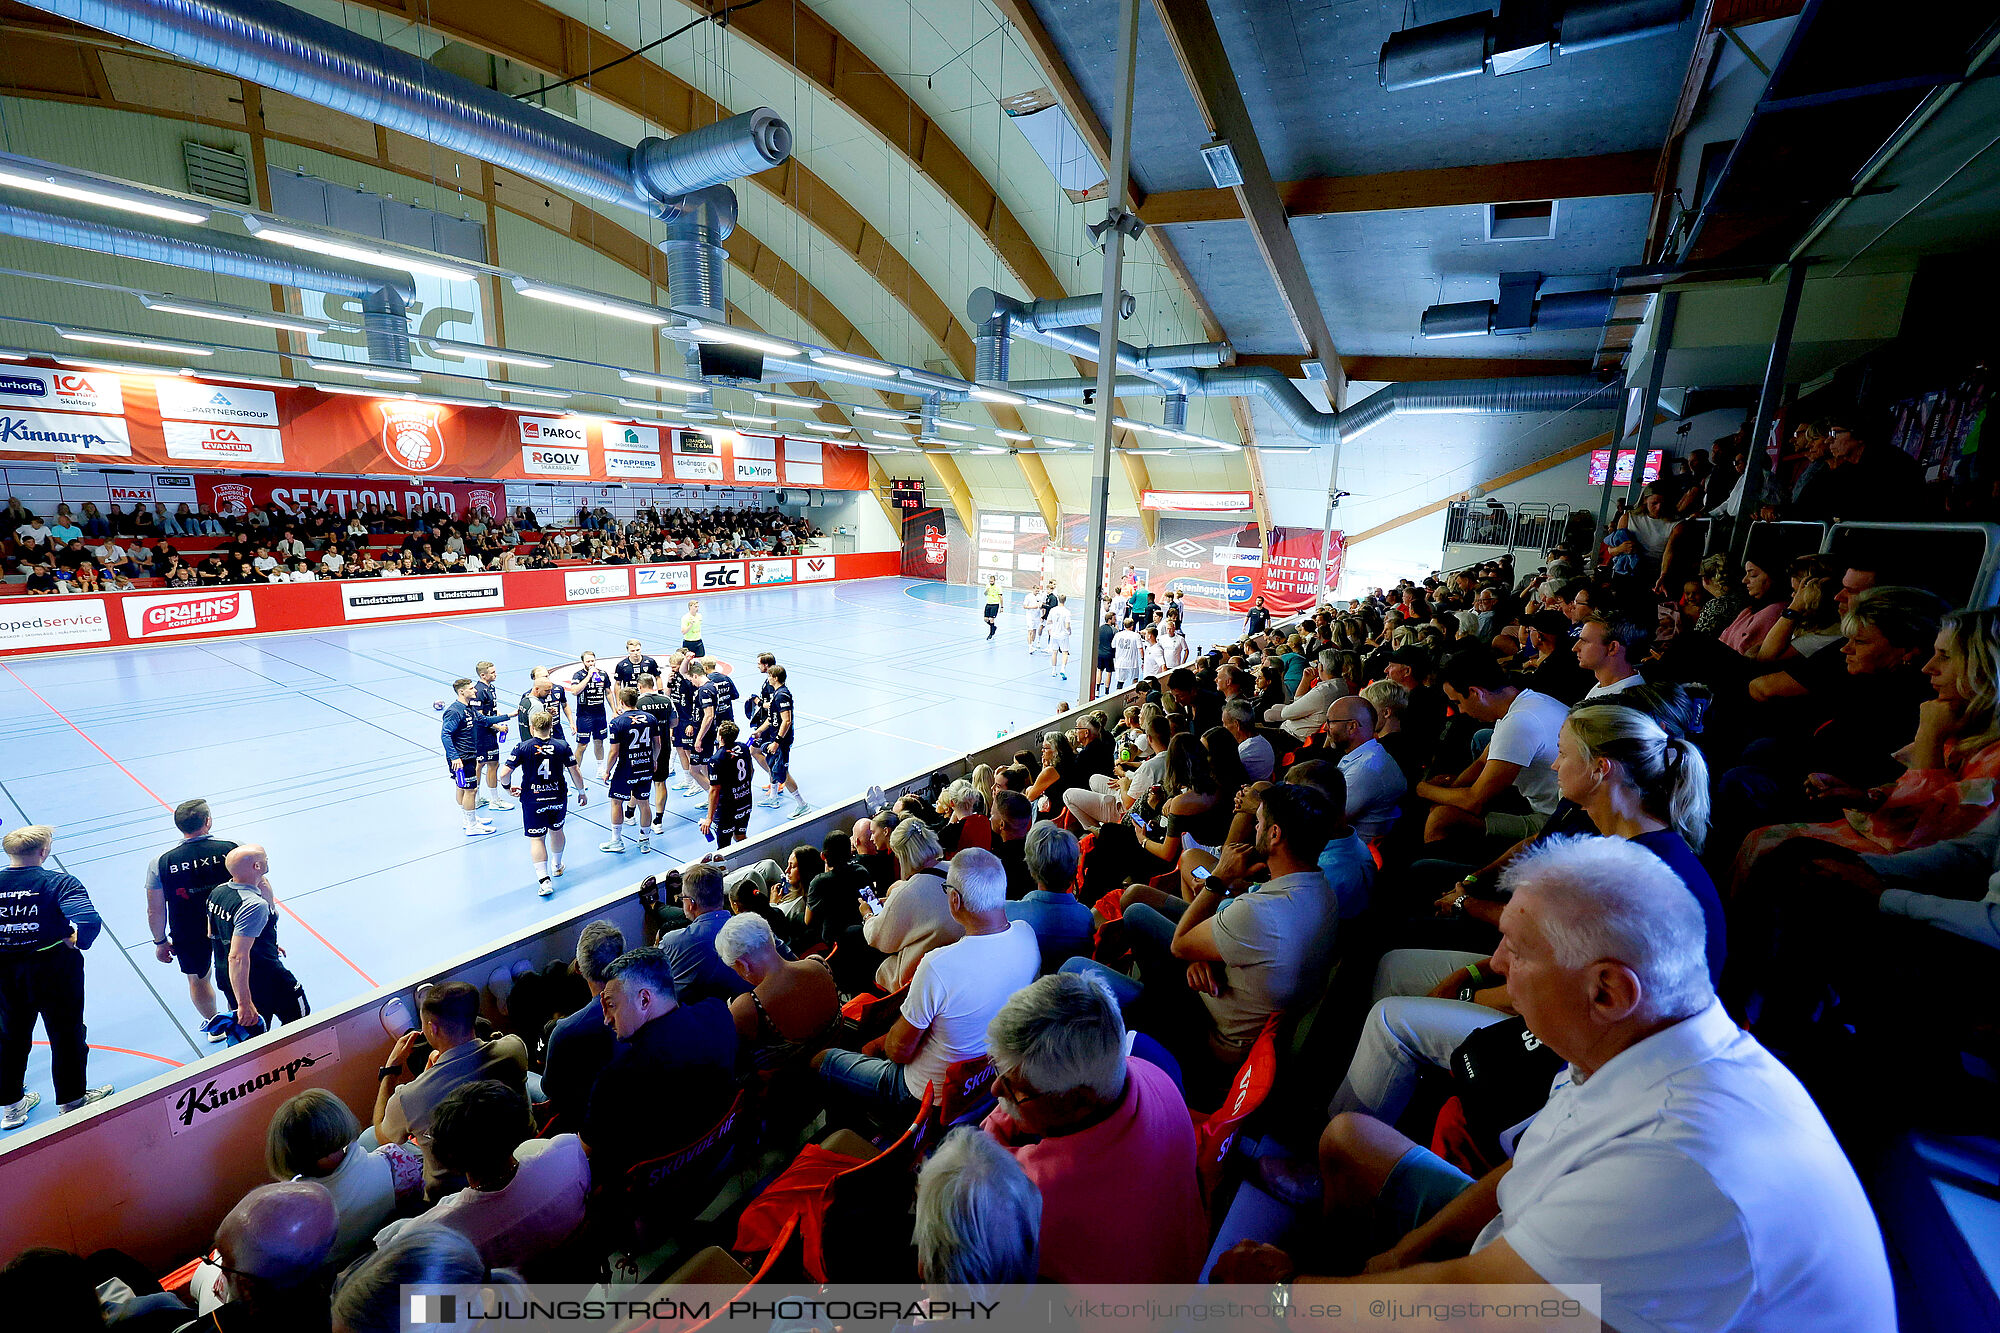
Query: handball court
(324, 748)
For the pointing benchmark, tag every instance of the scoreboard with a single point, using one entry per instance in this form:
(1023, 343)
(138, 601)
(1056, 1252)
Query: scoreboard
(906, 494)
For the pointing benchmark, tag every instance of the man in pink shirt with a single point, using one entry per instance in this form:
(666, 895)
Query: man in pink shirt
(1107, 1139)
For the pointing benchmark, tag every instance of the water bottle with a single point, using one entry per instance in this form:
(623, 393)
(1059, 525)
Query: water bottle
(438, 705)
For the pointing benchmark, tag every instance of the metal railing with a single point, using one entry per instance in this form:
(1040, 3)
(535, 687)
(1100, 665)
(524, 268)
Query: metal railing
(1530, 525)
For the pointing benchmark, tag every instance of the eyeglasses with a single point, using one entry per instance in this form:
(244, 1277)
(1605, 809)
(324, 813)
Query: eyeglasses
(1003, 1086)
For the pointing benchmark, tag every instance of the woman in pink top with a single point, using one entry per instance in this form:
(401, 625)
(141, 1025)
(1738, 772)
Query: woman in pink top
(1107, 1139)
(1747, 632)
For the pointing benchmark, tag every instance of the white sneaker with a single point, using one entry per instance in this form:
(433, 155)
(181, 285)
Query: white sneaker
(15, 1116)
(90, 1095)
(617, 846)
(802, 807)
(556, 869)
(500, 803)
(546, 891)
(479, 828)
(773, 801)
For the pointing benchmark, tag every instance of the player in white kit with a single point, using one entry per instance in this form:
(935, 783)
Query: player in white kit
(1057, 630)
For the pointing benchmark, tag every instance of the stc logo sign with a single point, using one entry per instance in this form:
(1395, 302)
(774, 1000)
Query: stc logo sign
(189, 613)
(715, 578)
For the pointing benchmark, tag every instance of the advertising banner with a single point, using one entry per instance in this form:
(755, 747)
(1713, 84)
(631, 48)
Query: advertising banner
(597, 584)
(189, 441)
(124, 495)
(61, 390)
(618, 463)
(1292, 579)
(812, 568)
(718, 577)
(53, 624)
(648, 580)
(372, 599)
(351, 435)
(770, 571)
(53, 433)
(210, 612)
(223, 404)
(1198, 502)
(925, 545)
(343, 495)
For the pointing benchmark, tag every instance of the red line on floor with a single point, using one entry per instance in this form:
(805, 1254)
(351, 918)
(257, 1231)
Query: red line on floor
(89, 740)
(143, 1055)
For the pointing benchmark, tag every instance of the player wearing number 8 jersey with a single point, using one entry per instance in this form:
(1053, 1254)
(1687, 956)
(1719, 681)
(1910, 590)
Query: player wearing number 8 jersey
(541, 761)
(729, 790)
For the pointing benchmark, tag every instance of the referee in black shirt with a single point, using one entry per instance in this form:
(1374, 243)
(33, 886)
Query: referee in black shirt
(46, 919)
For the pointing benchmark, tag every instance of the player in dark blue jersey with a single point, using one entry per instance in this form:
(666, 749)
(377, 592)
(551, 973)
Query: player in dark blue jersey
(775, 739)
(655, 704)
(486, 699)
(544, 794)
(680, 688)
(460, 734)
(730, 774)
(634, 664)
(544, 695)
(756, 708)
(726, 692)
(629, 770)
(591, 689)
(703, 725)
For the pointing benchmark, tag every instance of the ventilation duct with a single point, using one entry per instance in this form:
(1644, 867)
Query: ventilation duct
(694, 258)
(1496, 397)
(384, 293)
(998, 317)
(278, 47)
(1522, 35)
(1553, 310)
(1075, 312)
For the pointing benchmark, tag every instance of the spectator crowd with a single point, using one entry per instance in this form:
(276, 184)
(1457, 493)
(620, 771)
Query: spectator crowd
(1587, 927)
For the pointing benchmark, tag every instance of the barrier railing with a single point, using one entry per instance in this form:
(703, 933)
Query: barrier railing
(1960, 562)
(1532, 524)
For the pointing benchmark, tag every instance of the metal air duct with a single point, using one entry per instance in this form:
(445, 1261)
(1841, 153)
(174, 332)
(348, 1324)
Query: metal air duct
(998, 316)
(1522, 35)
(694, 259)
(1554, 310)
(278, 47)
(384, 293)
(1075, 312)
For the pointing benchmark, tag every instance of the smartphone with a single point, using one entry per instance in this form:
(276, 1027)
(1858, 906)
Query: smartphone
(1201, 872)
(868, 896)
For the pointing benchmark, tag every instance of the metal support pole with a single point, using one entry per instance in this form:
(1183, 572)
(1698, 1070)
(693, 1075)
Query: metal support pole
(1767, 410)
(1649, 404)
(1087, 617)
(1603, 529)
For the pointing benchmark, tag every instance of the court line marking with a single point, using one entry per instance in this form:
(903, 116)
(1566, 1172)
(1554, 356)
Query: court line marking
(283, 907)
(123, 1050)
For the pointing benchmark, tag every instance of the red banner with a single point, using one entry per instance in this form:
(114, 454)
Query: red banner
(177, 422)
(925, 545)
(1292, 580)
(349, 495)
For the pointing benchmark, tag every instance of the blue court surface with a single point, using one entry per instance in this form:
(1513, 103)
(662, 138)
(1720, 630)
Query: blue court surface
(324, 748)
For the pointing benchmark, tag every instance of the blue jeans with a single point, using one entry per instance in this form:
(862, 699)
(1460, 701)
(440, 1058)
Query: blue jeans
(864, 1087)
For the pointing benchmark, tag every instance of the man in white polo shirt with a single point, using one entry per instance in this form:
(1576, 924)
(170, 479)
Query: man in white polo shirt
(1521, 755)
(1605, 648)
(1677, 1166)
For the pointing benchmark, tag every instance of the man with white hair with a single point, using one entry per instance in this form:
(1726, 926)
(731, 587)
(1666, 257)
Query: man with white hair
(1302, 716)
(1666, 1104)
(953, 995)
(1100, 1135)
(978, 1218)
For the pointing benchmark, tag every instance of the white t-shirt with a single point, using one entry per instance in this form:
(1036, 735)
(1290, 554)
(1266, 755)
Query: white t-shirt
(1174, 648)
(1257, 756)
(1694, 1179)
(1527, 736)
(1126, 650)
(955, 993)
(1056, 627)
(1615, 687)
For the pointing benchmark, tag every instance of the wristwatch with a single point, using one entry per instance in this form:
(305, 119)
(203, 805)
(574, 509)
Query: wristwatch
(387, 1071)
(1458, 904)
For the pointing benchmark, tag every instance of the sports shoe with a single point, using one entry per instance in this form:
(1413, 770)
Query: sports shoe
(556, 869)
(546, 891)
(773, 801)
(617, 846)
(15, 1116)
(479, 828)
(500, 803)
(89, 1095)
(802, 807)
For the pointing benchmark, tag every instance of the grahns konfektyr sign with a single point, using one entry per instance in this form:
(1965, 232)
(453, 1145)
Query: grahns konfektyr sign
(272, 1077)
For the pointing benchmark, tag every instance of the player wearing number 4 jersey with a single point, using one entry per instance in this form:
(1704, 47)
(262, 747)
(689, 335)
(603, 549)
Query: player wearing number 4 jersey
(544, 794)
(630, 770)
(729, 790)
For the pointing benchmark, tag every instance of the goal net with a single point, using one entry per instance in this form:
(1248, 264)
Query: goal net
(1066, 565)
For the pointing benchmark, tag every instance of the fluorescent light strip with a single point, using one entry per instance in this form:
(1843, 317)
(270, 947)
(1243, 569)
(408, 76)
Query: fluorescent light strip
(12, 356)
(141, 344)
(649, 407)
(598, 305)
(829, 429)
(474, 352)
(367, 372)
(888, 435)
(788, 400)
(355, 390)
(930, 381)
(986, 395)
(1020, 435)
(380, 256)
(84, 193)
(749, 420)
(853, 365)
(956, 425)
(662, 382)
(1061, 409)
(528, 391)
(166, 305)
(1284, 448)
(115, 367)
(756, 342)
(876, 414)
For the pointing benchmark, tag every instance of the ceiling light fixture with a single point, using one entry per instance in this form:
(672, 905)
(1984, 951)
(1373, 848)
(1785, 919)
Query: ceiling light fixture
(1042, 405)
(756, 342)
(140, 344)
(888, 435)
(175, 305)
(637, 406)
(956, 425)
(89, 192)
(930, 381)
(749, 420)
(986, 395)
(788, 400)
(356, 391)
(853, 365)
(876, 414)
(663, 382)
(1020, 435)
(527, 391)
(380, 256)
(827, 427)
(474, 352)
(367, 372)
(114, 367)
(599, 305)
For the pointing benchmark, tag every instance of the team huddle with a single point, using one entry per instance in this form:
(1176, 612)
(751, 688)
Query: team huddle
(634, 720)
